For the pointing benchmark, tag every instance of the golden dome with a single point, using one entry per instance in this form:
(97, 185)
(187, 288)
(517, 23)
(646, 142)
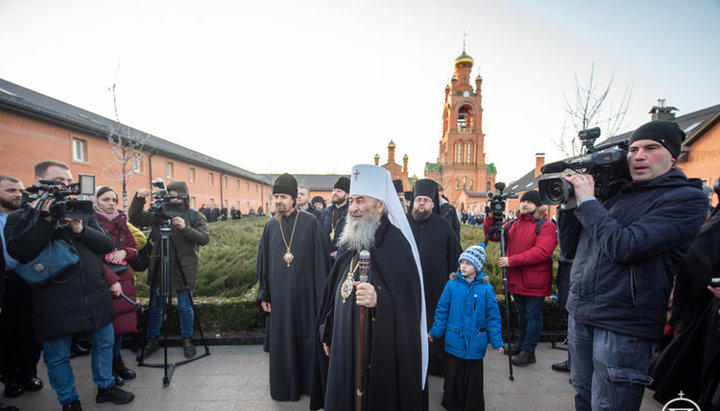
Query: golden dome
(464, 58)
(391, 144)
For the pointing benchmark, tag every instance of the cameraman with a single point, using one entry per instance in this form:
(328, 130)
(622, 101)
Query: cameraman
(75, 301)
(626, 250)
(530, 242)
(187, 234)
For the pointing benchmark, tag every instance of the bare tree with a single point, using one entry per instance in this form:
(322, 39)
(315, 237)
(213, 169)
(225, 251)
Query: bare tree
(591, 107)
(127, 149)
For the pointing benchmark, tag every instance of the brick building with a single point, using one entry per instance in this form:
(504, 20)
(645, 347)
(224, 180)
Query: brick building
(461, 167)
(35, 127)
(698, 158)
(397, 171)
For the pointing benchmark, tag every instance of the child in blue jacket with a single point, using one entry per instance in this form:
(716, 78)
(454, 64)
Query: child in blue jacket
(469, 317)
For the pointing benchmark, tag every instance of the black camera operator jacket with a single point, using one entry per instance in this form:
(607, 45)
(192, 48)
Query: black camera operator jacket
(627, 250)
(78, 299)
(186, 241)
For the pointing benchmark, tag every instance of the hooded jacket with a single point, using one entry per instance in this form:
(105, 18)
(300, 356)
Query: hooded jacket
(187, 241)
(627, 250)
(529, 254)
(468, 316)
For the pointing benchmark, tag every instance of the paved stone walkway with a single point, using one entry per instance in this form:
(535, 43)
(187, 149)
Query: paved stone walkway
(236, 378)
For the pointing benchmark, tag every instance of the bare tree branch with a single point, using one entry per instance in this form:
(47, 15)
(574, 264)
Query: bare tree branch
(591, 107)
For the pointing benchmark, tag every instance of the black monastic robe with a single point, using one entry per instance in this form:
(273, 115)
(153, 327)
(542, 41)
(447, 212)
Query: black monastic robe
(295, 294)
(439, 251)
(393, 376)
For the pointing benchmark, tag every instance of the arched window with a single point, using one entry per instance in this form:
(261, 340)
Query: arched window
(465, 118)
(464, 182)
(459, 152)
(488, 187)
(469, 153)
(457, 184)
(472, 185)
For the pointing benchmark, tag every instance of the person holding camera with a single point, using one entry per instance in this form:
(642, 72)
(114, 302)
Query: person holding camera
(626, 250)
(77, 300)
(530, 241)
(114, 221)
(188, 232)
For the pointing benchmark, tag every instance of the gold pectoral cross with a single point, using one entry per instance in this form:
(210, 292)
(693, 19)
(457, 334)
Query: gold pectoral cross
(332, 235)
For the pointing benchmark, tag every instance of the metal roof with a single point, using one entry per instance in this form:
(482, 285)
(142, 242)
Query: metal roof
(27, 102)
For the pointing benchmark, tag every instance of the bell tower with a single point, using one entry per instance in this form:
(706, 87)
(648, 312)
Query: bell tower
(461, 159)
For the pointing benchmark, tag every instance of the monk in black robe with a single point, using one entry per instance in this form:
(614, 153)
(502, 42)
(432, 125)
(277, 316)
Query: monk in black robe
(439, 250)
(394, 374)
(292, 269)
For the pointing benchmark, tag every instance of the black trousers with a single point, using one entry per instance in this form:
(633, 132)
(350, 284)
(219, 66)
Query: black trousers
(19, 351)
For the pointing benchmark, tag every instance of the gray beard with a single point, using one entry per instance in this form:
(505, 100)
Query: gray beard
(359, 235)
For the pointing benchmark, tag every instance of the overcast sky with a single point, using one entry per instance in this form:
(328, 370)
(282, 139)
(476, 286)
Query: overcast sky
(317, 86)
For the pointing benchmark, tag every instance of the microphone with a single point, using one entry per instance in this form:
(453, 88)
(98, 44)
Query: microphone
(364, 262)
(556, 167)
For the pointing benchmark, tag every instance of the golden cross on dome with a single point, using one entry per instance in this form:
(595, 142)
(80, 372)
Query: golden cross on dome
(465, 36)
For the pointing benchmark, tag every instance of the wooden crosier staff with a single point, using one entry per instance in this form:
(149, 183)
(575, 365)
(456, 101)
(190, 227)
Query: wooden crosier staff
(364, 261)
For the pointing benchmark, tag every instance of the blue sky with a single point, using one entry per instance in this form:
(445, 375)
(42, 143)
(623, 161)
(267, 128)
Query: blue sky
(317, 86)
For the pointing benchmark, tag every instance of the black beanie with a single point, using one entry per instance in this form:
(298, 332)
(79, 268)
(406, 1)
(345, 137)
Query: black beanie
(398, 186)
(318, 199)
(343, 184)
(285, 184)
(664, 132)
(532, 196)
(408, 196)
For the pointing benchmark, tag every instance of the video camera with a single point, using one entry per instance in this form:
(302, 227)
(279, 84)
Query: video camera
(61, 207)
(497, 203)
(162, 208)
(607, 165)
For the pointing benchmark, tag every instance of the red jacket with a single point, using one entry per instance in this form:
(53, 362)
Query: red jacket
(529, 255)
(126, 321)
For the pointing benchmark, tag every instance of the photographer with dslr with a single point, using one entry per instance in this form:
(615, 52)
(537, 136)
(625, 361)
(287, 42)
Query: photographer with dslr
(76, 300)
(188, 232)
(530, 242)
(626, 250)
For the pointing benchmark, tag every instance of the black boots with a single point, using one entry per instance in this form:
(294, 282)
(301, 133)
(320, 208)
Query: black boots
(561, 366)
(114, 394)
(188, 347)
(524, 358)
(73, 406)
(152, 345)
(120, 369)
(513, 348)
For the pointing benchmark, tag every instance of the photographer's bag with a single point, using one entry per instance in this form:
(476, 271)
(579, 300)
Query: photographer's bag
(52, 260)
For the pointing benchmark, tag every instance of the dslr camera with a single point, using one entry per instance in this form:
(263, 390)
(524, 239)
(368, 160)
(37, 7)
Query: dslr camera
(162, 208)
(606, 163)
(497, 203)
(62, 206)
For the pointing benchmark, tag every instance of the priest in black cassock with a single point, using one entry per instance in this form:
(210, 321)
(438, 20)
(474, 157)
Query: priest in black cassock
(332, 218)
(395, 366)
(292, 265)
(439, 250)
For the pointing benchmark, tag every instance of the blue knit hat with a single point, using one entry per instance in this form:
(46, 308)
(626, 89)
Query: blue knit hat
(475, 255)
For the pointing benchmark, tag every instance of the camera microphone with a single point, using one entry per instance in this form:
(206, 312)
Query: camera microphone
(556, 167)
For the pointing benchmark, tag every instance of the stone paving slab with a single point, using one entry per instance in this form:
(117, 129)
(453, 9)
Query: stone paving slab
(236, 378)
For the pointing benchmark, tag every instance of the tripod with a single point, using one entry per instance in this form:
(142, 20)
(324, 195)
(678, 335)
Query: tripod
(163, 258)
(498, 227)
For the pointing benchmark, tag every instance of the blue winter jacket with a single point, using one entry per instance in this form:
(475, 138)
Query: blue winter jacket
(469, 317)
(627, 250)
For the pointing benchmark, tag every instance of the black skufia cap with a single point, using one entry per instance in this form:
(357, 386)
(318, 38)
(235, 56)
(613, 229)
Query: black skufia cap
(398, 186)
(343, 184)
(285, 184)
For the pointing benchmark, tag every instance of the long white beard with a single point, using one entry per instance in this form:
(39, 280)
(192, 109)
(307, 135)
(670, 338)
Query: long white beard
(360, 234)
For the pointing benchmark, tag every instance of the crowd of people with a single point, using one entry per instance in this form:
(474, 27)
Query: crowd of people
(367, 296)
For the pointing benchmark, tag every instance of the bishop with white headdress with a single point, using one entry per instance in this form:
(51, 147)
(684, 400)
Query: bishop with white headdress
(396, 351)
